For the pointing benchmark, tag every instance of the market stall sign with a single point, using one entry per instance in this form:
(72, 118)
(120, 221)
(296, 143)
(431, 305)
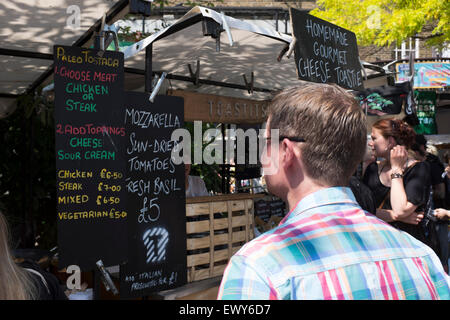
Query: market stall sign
(385, 100)
(426, 112)
(156, 197)
(89, 140)
(324, 52)
(426, 74)
(214, 108)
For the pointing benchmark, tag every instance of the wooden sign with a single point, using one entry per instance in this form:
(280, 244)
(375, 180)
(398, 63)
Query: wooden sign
(214, 108)
(156, 197)
(89, 135)
(324, 52)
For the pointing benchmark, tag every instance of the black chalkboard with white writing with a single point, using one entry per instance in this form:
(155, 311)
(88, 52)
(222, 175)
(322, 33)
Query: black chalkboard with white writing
(89, 135)
(155, 189)
(324, 52)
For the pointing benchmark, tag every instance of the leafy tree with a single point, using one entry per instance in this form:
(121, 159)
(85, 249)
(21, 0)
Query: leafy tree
(27, 172)
(384, 22)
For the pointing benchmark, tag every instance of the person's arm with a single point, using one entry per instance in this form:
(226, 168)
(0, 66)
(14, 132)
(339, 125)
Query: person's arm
(388, 216)
(242, 282)
(401, 207)
(442, 214)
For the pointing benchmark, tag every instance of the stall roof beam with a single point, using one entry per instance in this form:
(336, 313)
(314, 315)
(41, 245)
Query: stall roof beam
(242, 12)
(200, 81)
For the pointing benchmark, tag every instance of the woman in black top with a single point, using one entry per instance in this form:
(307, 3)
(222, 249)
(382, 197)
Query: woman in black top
(400, 184)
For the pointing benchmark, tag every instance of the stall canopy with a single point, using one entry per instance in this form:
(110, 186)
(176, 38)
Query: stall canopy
(29, 29)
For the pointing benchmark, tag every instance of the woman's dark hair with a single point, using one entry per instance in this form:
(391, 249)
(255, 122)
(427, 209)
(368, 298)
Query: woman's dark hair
(402, 132)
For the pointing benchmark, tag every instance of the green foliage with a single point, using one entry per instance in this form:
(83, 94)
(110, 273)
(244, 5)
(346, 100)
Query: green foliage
(209, 173)
(27, 171)
(383, 22)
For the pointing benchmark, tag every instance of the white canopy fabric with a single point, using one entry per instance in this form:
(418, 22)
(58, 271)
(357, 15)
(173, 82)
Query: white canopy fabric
(244, 48)
(37, 25)
(250, 52)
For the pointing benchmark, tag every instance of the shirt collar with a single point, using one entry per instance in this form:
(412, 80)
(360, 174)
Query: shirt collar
(323, 197)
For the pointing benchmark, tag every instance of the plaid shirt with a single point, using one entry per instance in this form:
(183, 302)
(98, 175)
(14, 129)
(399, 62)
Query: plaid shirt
(329, 248)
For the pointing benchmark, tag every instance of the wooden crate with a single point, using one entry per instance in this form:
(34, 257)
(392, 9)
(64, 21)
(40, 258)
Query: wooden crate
(217, 227)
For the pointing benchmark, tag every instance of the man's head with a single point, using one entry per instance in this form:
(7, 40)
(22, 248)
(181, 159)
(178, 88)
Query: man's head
(332, 125)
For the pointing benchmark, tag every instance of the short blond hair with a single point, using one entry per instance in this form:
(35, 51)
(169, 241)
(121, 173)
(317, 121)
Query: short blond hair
(332, 124)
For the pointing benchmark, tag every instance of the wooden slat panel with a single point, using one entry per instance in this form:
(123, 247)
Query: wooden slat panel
(225, 197)
(203, 226)
(221, 239)
(243, 219)
(239, 221)
(196, 209)
(197, 226)
(197, 243)
(239, 236)
(205, 273)
(230, 229)
(211, 237)
(247, 233)
(237, 205)
(221, 223)
(219, 206)
(203, 258)
(197, 259)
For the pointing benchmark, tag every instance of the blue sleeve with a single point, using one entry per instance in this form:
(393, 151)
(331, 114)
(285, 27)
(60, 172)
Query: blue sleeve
(242, 281)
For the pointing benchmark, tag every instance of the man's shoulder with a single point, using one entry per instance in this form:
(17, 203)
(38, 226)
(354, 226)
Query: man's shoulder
(356, 233)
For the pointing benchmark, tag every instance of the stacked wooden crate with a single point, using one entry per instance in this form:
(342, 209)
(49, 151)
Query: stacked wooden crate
(217, 227)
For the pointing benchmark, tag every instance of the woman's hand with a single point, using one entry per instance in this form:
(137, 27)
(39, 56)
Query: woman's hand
(413, 218)
(442, 213)
(399, 155)
(447, 169)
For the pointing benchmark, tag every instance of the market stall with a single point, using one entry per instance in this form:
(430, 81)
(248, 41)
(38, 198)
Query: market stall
(226, 71)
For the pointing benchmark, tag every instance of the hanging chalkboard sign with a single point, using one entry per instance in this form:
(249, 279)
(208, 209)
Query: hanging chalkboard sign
(324, 52)
(89, 135)
(156, 197)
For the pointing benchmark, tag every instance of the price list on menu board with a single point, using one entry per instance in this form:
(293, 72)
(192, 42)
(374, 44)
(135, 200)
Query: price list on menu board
(90, 157)
(156, 197)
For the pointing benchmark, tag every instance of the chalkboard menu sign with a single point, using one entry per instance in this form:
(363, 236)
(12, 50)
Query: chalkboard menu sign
(89, 135)
(324, 52)
(156, 197)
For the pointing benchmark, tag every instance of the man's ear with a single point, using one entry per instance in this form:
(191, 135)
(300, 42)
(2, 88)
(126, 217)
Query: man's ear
(289, 152)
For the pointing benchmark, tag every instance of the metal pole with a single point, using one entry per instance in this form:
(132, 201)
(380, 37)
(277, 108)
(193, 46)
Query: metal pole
(148, 68)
